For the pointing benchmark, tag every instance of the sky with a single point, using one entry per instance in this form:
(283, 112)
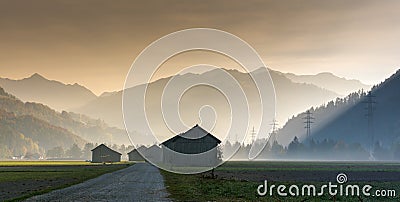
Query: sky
(94, 42)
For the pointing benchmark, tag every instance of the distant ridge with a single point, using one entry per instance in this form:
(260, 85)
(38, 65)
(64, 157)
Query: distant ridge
(329, 81)
(55, 94)
(109, 107)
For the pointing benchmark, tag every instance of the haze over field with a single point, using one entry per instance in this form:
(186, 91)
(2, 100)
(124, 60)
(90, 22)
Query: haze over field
(108, 106)
(63, 65)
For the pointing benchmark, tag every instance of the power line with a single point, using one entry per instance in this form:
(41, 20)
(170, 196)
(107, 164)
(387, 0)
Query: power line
(308, 122)
(272, 135)
(253, 135)
(370, 116)
(274, 125)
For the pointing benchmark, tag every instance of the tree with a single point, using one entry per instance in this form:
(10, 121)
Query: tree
(87, 150)
(276, 148)
(219, 154)
(74, 152)
(295, 147)
(55, 152)
(395, 149)
(114, 147)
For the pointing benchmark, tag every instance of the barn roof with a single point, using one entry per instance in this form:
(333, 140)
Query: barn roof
(141, 148)
(107, 148)
(194, 133)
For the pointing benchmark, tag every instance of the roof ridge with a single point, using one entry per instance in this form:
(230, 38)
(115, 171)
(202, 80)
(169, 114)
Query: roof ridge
(183, 135)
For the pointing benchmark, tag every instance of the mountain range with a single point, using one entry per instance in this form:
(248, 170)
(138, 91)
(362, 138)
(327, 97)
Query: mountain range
(48, 101)
(291, 98)
(54, 94)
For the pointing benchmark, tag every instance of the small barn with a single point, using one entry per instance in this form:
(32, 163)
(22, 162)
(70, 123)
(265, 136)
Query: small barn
(153, 154)
(136, 154)
(103, 154)
(180, 149)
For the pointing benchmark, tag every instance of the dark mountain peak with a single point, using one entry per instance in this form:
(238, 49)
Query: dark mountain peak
(37, 76)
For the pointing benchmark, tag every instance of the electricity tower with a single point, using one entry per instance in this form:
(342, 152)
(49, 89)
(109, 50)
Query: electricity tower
(274, 125)
(253, 135)
(272, 136)
(370, 116)
(308, 121)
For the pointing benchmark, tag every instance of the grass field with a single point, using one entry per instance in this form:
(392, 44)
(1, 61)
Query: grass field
(238, 181)
(43, 163)
(22, 179)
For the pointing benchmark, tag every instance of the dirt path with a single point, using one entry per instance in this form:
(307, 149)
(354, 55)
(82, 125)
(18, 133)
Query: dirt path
(140, 182)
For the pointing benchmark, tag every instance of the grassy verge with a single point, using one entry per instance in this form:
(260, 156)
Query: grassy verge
(201, 188)
(197, 188)
(51, 163)
(21, 180)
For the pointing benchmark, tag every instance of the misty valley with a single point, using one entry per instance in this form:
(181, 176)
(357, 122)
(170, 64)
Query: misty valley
(43, 119)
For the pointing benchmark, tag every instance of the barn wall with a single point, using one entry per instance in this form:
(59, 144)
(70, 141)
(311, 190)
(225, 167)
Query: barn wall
(203, 159)
(135, 156)
(102, 154)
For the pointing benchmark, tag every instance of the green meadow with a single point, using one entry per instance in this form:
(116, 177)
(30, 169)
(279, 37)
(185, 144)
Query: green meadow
(247, 176)
(22, 179)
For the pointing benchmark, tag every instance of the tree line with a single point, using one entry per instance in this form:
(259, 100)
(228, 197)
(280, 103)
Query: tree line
(326, 149)
(75, 152)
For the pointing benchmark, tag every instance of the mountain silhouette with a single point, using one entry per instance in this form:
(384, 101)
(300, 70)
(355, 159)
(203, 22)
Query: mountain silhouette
(23, 133)
(330, 82)
(55, 94)
(109, 108)
(91, 130)
(346, 120)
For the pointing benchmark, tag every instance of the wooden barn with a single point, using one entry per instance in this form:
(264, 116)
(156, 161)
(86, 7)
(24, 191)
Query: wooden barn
(153, 153)
(103, 154)
(179, 150)
(136, 154)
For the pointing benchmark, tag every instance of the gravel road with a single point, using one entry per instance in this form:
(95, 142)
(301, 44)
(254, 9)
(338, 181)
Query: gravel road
(140, 182)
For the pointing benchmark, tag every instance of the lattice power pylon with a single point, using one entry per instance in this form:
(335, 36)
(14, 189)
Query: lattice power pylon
(253, 135)
(370, 115)
(308, 121)
(272, 135)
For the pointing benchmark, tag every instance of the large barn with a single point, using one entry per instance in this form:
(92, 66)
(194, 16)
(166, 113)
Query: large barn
(103, 154)
(179, 150)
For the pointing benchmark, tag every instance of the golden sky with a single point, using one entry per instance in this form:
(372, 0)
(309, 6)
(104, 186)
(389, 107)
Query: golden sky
(94, 42)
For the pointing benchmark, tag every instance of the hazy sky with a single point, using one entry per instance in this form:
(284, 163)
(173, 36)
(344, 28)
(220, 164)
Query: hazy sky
(95, 42)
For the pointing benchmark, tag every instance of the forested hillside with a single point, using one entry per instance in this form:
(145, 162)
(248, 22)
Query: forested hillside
(24, 134)
(86, 128)
(370, 120)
